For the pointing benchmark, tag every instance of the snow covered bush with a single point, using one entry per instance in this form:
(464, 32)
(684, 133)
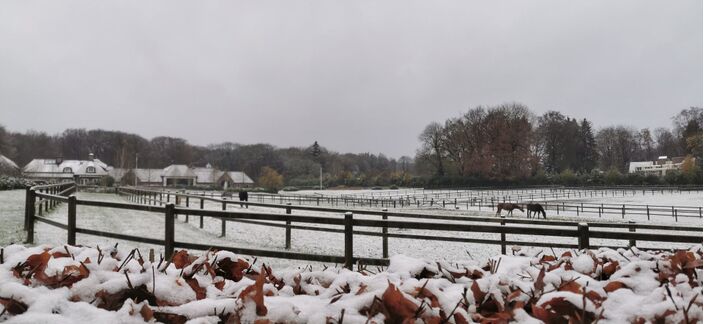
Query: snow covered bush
(9, 183)
(84, 284)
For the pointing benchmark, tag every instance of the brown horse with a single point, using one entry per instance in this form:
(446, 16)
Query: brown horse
(535, 209)
(507, 206)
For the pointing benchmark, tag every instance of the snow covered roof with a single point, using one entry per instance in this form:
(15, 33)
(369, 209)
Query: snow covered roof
(148, 175)
(143, 175)
(207, 175)
(8, 166)
(53, 167)
(178, 171)
(239, 177)
(4, 161)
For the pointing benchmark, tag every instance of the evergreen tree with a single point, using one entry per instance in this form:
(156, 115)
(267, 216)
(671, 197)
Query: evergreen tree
(587, 156)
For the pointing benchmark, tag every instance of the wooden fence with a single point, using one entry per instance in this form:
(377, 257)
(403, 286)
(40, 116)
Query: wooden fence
(342, 221)
(645, 211)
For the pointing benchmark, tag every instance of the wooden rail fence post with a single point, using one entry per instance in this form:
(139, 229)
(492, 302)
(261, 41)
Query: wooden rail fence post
(385, 237)
(631, 228)
(41, 204)
(187, 205)
(30, 216)
(169, 231)
(26, 208)
(288, 226)
(201, 216)
(503, 235)
(349, 251)
(583, 235)
(71, 224)
(623, 211)
(223, 224)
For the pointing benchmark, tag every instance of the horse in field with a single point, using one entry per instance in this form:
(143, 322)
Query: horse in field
(507, 206)
(535, 209)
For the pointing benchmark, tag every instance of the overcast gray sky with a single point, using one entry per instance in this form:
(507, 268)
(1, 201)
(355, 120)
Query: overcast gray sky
(358, 76)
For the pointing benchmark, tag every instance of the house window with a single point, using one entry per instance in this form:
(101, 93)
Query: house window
(67, 170)
(90, 169)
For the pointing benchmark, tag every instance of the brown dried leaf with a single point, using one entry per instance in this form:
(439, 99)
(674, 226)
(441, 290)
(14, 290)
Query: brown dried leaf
(256, 293)
(398, 306)
(12, 306)
(613, 286)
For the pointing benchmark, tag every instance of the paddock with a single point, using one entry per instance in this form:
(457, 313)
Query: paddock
(290, 235)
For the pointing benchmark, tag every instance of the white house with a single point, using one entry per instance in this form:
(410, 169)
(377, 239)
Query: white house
(659, 168)
(179, 175)
(211, 177)
(141, 177)
(89, 171)
(182, 175)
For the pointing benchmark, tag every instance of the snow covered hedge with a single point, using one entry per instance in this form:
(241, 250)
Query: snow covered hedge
(9, 183)
(82, 284)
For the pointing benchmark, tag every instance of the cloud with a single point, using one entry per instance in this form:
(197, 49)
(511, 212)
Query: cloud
(360, 76)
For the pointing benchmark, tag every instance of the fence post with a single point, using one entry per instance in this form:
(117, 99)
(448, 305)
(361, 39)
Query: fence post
(187, 205)
(71, 224)
(40, 204)
(631, 228)
(223, 224)
(288, 226)
(201, 216)
(349, 259)
(26, 208)
(30, 216)
(503, 235)
(384, 237)
(623, 211)
(169, 231)
(583, 235)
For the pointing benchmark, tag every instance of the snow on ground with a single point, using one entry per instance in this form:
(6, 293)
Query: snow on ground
(71, 284)
(148, 224)
(642, 198)
(12, 216)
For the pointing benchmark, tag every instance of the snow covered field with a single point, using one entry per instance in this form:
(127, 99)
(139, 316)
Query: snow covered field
(70, 284)
(151, 225)
(692, 199)
(12, 216)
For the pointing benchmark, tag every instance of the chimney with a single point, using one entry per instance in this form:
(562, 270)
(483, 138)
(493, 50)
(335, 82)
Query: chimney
(91, 157)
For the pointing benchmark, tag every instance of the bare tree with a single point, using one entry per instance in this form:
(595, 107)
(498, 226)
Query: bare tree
(431, 146)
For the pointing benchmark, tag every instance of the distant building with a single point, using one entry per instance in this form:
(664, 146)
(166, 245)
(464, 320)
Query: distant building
(140, 177)
(182, 175)
(211, 177)
(178, 175)
(8, 167)
(659, 168)
(85, 172)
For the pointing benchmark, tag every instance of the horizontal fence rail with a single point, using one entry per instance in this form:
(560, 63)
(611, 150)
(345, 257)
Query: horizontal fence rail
(342, 221)
(489, 203)
(134, 195)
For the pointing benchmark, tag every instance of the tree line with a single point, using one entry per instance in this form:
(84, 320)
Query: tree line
(497, 145)
(509, 144)
(298, 166)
